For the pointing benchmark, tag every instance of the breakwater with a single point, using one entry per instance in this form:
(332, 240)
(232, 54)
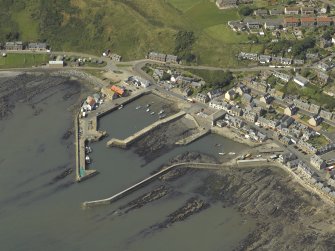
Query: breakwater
(131, 139)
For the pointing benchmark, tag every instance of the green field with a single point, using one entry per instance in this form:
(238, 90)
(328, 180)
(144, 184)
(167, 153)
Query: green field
(16, 60)
(129, 28)
(185, 4)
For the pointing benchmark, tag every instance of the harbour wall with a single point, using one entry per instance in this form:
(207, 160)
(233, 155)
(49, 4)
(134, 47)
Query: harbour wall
(128, 141)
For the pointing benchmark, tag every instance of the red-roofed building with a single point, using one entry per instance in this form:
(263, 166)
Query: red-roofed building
(324, 21)
(118, 90)
(291, 22)
(308, 21)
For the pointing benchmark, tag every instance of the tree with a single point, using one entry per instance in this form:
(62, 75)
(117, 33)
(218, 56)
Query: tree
(183, 45)
(245, 11)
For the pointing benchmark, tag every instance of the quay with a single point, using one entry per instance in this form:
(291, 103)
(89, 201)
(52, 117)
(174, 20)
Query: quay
(193, 137)
(131, 139)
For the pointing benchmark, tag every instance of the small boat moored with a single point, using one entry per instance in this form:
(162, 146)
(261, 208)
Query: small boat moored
(152, 113)
(88, 159)
(138, 107)
(148, 110)
(161, 112)
(120, 107)
(222, 153)
(231, 153)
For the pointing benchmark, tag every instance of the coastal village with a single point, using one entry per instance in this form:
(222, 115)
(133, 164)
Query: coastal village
(255, 107)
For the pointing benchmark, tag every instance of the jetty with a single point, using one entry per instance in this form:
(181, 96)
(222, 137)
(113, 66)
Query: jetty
(193, 137)
(125, 143)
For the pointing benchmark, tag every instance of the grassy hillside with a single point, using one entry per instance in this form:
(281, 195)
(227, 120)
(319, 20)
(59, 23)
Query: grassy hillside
(129, 28)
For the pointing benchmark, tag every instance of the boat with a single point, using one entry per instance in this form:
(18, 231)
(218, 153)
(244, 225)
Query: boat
(148, 105)
(222, 153)
(152, 113)
(88, 149)
(161, 112)
(148, 110)
(161, 116)
(120, 107)
(231, 153)
(138, 107)
(88, 159)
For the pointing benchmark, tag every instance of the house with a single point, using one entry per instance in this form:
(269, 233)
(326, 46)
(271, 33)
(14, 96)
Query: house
(326, 115)
(253, 25)
(236, 111)
(14, 46)
(90, 103)
(214, 93)
(324, 66)
(305, 146)
(157, 56)
(241, 89)
(308, 21)
(293, 163)
(230, 95)
(312, 56)
(249, 56)
(286, 121)
(237, 25)
(324, 21)
(286, 61)
(220, 105)
(291, 22)
(314, 108)
(325, 43)
(290, 110)
(246, 98)
(116, 57)
(307, 10)
(107, 91)
(261, 136)
(56, 63)
(301, 104)
(291, 10)
(298, 61)
(221, 123)
(282, 76)
(201, 97)
(261, 12)
(235, 121)
(217, 116)
(37, 46)
(118, 90)
(317, 162)
(300, 80)
(323, 77)
(276, 12)
(315, 120)
(327, 148)
(250, 116)
(188, 91)
(264, 59)
(267, 123)
(266, 98)
(225, 4)
(171, 59)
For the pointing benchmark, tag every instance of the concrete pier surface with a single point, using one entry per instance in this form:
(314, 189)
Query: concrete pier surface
(131, 139)
(193, 137)
(204, 166)
(151, 178)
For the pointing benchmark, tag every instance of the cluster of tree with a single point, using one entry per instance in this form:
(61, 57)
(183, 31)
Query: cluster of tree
(328, 34)
(183, 45)
(214, 79)
(299, 48)
(245, 11)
